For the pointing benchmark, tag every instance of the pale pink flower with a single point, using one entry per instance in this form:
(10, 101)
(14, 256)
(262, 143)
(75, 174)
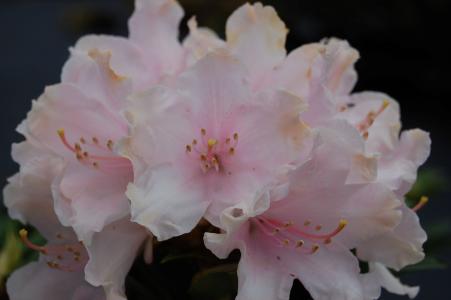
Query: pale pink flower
(206, 142)
(308, 233)
(60, 271)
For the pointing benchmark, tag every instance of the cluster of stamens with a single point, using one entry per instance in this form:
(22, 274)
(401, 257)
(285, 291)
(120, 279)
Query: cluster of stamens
(212, 152)
(107, 160)
(69, 257)
(366, 123)
(290, 236)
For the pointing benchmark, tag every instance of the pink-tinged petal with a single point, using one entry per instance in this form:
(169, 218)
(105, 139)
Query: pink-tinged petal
(259, 280)
(37, 281)
(320, 195)
(380, 276)
(200, 42)
(376, 116)
(166, 202)
(256, 35)
(28, 195)
(340, 59)
(214, 86)
(65, 107)
(109, 260)
(268, 263)
(329, 274)
(126, 60)
(92, 73)
(154, 28)
(97, 198)
(398, 169)
(302, 71)
(399, 247)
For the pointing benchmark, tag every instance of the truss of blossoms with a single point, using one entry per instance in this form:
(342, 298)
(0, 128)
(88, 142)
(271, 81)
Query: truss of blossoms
(146, 136)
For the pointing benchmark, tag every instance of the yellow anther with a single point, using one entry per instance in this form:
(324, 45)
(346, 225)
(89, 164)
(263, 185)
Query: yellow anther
(23, 233)
(60, 133)
(421, 203)
(211, 142)
(385, 103)
(286, 242)
(342, 224)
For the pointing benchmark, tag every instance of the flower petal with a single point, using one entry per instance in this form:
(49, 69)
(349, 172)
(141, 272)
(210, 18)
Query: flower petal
(256, 35)
(399, 247)
(380, 276)
(109, 261)
(96, 198)
(37, 281)
(165, 202)
(154, 28)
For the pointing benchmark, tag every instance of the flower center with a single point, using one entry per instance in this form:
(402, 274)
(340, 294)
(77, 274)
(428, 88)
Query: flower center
(104, 159)
(291, 236)
(212, 153)
(67, 256)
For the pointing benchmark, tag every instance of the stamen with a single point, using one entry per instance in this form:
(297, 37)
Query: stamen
(23, 233)
(315, 248)
(421, 203)
(110, 144)
(203, 131)
(211, 143)
(62, 136)
(188, 148)
(231, 151)
(95, 140)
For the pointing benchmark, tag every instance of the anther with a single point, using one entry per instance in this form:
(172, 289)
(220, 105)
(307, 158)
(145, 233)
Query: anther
(203, 131)
(286, 242)
(188, 148)
(77, 147)
(95, 164)
(318, 227)
(82, 140)
(315, 248)
(307, 223)
(421, 203)
(194, 142)
(211, 143)
(299, 243)
(95, 140)
(235, 136)
(231, 151)
(110, 144)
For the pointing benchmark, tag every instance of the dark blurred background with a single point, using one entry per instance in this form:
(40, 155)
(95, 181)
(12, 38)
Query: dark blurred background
(403, 45)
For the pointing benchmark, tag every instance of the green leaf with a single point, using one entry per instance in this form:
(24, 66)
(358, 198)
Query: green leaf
(429, 263)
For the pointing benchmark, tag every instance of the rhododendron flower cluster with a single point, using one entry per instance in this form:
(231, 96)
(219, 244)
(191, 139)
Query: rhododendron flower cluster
(147, 136)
